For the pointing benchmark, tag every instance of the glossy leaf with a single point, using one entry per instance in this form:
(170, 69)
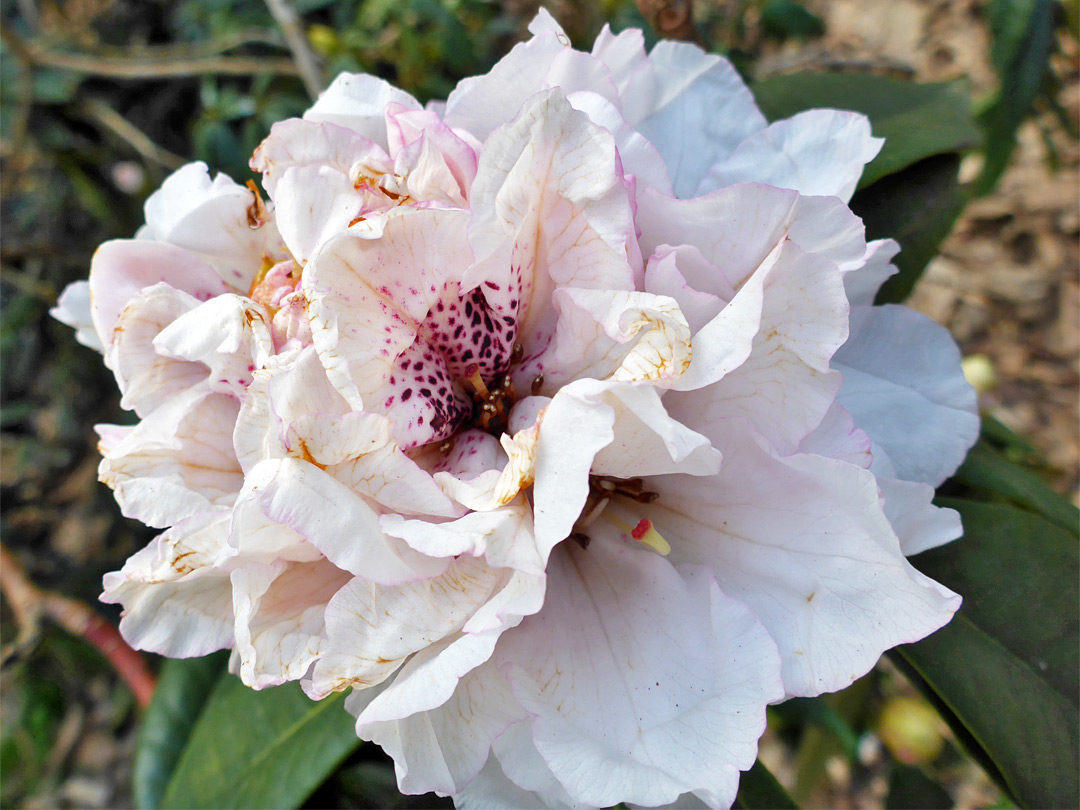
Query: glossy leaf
(987, 469)
(1007, 665)
(759, 790)
(911, 789)
(260, 749)
(917, 120)
(917, 207)
(182, 689)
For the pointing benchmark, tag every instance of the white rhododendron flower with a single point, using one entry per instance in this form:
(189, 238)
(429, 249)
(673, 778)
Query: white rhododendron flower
(553, 420)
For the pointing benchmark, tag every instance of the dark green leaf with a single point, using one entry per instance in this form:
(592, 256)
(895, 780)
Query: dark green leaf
(260, 749)
(916, 120)
(987, 469)
(759, 790)
(183, 687)
(1024, 37)
(917, 207)
(785, 18)
(911, 789)
(1007, 665)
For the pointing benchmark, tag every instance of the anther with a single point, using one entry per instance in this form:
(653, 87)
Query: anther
(646, 497)
(517, 354)
(537, 384)
(581, 539)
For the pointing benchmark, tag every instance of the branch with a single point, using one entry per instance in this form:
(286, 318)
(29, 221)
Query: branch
(29, 603)
(140, 66)
(306, 61)
(671, 19)
(138, 140)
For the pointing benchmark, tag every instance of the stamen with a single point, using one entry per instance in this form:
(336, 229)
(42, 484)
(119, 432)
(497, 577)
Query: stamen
(256, 214)
(581, 539)
(472, 376)
(517, 354)
(537, 384)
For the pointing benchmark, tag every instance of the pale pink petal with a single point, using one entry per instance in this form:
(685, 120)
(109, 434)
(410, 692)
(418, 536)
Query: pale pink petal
(917, 522)
(681, 273)
(837, 437)
(122, 268)
(863, 283)
(314, 203)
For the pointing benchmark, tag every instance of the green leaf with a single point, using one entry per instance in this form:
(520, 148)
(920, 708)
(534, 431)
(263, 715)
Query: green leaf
(916, 120)
(987, 469)
(911, 789)
(816, 711)
(917, 207)
(260, 749)
(1007, 665)
(759, 790)
(182, 689)
(1023, 39)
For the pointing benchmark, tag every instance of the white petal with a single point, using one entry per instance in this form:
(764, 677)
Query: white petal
(736, 227)
(313, 204)
(917, 522)
(549, 202)
(358, 101)
(145, 377)
(863, 283)
(122, 268)
(904, 386)
(682, 273)
(784, 387)
(492, 790)
(212, 219)
(820, 153)
(803, 541)
(644, 683)
(701, 112)
(176, 462)
(279, 610)
(837, 437)
(73, 308)
(373, 628)
(335, 520)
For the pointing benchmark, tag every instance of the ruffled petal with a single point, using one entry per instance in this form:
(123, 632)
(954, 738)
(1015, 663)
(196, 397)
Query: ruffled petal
(804, 542)
(358, 102)
(73, 309)
(904, 386)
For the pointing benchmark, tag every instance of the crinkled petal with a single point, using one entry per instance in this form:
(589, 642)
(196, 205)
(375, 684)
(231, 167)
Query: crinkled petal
(904, 386)
(280, 623)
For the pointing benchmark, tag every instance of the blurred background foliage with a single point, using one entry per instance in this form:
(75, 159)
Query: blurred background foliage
(101, 99)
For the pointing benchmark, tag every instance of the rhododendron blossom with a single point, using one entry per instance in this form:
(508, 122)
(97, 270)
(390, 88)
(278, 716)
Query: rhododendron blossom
(553, 420)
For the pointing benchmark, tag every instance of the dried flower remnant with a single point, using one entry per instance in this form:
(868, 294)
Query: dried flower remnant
(590, 297)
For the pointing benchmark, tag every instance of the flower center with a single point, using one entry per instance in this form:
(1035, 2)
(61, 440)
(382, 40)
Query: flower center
(601, 490)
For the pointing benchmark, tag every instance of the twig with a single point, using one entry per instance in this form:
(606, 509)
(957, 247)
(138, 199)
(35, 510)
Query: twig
(306, 61)
(138, 140)
(29, 603)
(143, 67)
